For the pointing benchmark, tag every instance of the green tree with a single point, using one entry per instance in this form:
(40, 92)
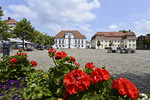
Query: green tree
(98, 43)
(125, 31)
(40, 39)
(148, 35)
(5, 30)
(24, 30)
(110, 43)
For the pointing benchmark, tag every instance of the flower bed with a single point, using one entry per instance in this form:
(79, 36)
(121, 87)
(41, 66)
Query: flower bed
(66, 80)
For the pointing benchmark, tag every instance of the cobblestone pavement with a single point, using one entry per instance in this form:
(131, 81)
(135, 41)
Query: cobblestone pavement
(134, 66)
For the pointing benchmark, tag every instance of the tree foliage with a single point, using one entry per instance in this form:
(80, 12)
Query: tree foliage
(125, 31)
(98, 43)
(110, 43)
(5, 30)
(24, 30)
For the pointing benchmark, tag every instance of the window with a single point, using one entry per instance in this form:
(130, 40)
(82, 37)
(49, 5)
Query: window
(75, 45)
(106, 37)
(62, 41)
(56, 41)
(115, 37)
(129, 36)
(79, 41)
(75, 41)
(129, 40)
(106, 41)
(101, 40)
(82, 45)
(133, 40)
(101, 36)
(109, 36)
(59, 45)
(133, 36)
(118, 41)
(118, 37)
(129, 45)
(106, 45)
(97, 36)
(59, 41)
(112, 37)
(115, 41)
(82, 41)
(62, 45)
(56, 45)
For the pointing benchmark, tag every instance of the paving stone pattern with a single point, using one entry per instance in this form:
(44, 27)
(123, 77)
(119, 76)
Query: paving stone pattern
(134, 66)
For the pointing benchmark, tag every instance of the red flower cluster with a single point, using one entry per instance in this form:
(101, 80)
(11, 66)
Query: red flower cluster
(22, 54)
(52, 50)
(99, 75)
(72, 60)
(60, 55)
(76, 80)
(90, 65)
(34, 63)
(13, 60)
(125, 87)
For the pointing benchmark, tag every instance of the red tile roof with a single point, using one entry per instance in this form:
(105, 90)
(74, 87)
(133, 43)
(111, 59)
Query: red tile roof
(10, 21)
(76, 33)
(113, 35)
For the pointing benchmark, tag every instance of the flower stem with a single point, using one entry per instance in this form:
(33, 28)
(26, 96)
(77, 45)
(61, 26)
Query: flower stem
(54, 61)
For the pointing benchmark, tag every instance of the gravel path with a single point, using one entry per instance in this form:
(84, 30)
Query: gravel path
(135, 66)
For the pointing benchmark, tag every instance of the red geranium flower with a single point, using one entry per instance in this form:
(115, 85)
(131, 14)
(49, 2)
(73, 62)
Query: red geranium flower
(13, 60)
(125, 87)
(24, 54)
(72, 60)
(60, 55)
(34, 63)
(76, 80)
(99, 75)
(90, 65)
(52, 50)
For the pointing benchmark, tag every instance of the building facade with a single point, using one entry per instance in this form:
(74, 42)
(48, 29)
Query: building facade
(70, 39)
(143, 42)
(118, 39)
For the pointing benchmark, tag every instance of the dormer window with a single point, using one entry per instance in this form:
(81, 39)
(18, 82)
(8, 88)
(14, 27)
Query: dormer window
(129, 36)
(101, 36)
(69, 36)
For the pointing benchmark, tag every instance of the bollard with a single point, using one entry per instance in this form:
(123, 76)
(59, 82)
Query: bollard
(6, 48)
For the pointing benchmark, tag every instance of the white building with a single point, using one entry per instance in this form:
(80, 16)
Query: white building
(70, 39)
(119, 39)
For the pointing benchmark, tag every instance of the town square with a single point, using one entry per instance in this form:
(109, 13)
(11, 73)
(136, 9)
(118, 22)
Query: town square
(74, 50)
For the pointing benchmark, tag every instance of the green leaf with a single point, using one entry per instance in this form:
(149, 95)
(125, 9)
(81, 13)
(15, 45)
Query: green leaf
(40, 95)
(91, 96)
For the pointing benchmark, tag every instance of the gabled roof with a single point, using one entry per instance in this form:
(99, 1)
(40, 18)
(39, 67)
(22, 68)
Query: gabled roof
(106, 34)
(76, 33)
(10, 21)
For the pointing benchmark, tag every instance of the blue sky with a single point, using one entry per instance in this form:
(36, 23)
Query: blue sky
(87, 16)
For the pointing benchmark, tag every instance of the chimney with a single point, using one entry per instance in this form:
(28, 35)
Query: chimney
(9, 18)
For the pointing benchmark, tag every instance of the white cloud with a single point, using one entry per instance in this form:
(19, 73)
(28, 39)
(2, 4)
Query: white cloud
(54, 15)
(113, 27)
(20, 11)
(59, 11)
(85, 28)
(142, 26)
